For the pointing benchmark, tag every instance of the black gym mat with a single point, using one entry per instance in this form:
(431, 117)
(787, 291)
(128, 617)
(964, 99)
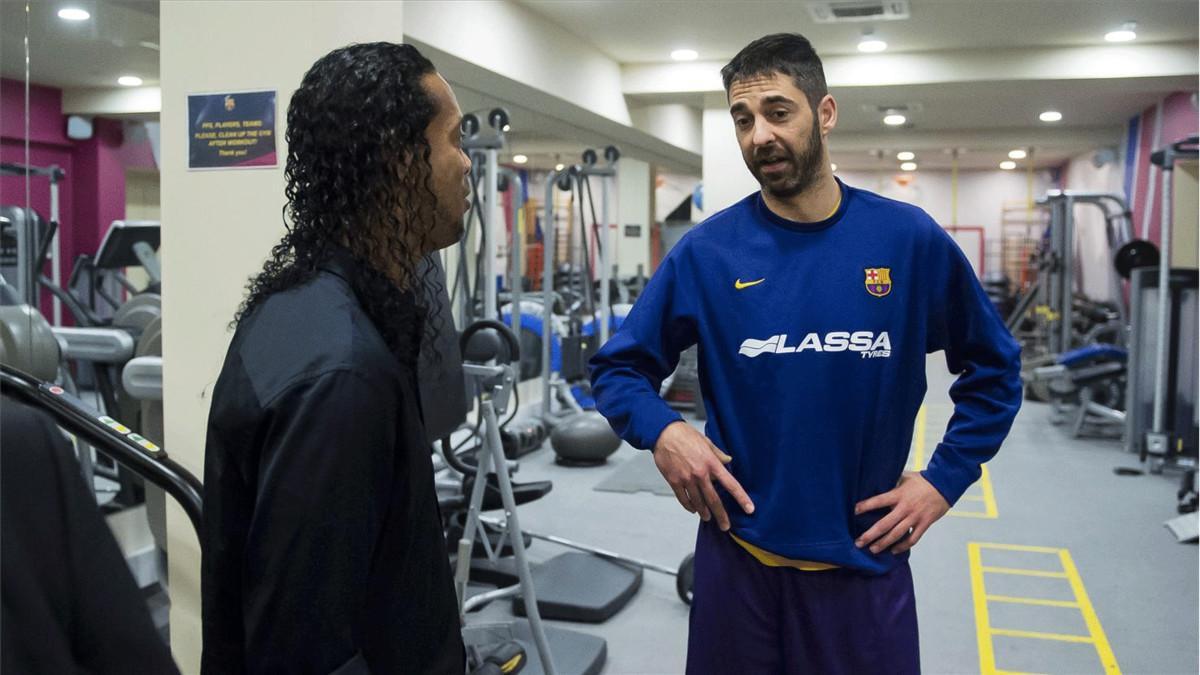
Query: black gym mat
(581, 587)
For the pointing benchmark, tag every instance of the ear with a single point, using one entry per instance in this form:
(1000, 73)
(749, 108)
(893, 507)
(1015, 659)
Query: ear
(827, 114)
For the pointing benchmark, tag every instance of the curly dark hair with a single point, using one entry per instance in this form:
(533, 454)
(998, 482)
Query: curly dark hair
(359, 177)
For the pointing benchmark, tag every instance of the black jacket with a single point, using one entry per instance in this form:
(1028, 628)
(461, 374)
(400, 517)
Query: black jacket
(70, 604)
(322, 542)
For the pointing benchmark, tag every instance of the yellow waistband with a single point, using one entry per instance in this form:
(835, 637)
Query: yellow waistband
(774, 560)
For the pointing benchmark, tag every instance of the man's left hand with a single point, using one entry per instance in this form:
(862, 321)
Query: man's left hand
(915, 505)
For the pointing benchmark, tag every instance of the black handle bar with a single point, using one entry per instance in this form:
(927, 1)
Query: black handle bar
(111, 437)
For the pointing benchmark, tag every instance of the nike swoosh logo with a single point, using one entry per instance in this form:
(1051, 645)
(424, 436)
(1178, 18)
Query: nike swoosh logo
(742, 286)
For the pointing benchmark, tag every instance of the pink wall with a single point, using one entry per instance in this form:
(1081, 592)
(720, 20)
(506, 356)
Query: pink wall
(45, 113)
(93, 193)
(1179, 120)
(99, 184)
(48, 145)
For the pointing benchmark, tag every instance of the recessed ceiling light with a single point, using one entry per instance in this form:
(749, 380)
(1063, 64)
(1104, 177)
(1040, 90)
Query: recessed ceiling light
(507, 128)
(894, 119)
(833, 166)
(559, 167)
(908, 166)
(129, 81)
(520, 159)
(906, 156)
(1127, 32)
(870, 44)
(74, 14)
(684, 55)
(1017, 154)
(1050, 116)
(1008, 165)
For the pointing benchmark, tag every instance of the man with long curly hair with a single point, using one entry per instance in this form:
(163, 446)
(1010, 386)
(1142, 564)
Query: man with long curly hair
(322, 543)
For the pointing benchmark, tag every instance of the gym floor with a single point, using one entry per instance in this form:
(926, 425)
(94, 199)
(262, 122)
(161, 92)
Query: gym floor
(1051, 564)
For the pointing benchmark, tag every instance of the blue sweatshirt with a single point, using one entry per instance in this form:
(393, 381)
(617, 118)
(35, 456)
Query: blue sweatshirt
(812, 341)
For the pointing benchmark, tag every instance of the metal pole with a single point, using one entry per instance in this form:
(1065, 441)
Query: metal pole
(516, 252)
(31, 270)
(601, 552)
(1116, 229)
(548, 239)
(1054, 287)
(1023, 304)
(27, 268)
(462, 278)
(1068, 275)
(490, 232)
(55, 260)
(1164, 303)
(466, 542)
(603, 241)
(515, 186)
(515, 536)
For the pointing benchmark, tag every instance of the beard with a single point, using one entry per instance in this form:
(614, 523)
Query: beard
(447, 217)
(801, 173)
(448, 227)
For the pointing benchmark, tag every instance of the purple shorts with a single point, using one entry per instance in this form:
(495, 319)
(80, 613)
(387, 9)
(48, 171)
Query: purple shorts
(749, 618)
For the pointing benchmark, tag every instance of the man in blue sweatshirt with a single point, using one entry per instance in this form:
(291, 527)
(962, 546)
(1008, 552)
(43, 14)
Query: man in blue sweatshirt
(813, 304)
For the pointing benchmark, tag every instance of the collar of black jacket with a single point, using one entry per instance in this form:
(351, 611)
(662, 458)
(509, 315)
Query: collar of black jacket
(341, 262)
(404, 323)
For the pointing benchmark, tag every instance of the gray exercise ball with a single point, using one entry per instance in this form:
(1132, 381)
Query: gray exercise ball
(584, 439)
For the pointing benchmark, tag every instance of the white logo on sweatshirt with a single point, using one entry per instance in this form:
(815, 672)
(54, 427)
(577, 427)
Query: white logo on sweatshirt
(866, 342)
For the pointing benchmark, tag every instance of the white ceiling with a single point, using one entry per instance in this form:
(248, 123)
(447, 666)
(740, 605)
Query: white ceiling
(1003, 105)
(989, 119)
(120, 38)
(985, 117)
(645, 31)
(94, 52)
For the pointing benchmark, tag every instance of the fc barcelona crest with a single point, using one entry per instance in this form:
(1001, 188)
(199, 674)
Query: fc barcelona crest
(879, 281)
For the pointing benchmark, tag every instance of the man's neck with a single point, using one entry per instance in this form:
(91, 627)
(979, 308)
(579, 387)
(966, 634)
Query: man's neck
(815, 204)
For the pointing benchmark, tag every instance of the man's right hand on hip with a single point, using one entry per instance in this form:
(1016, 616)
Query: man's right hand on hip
(691, 463)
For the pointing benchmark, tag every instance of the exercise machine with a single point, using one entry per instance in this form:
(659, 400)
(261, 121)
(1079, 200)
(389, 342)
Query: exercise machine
(128, 243)
(32, 239)
(1074, 349)
(152, 464)
(1161, 420)
(1052, 297)
(489, 349)
(483, 143)
(134, 452)
(585, 438)
(1170, 435)
(89, 358)
(1087, 387)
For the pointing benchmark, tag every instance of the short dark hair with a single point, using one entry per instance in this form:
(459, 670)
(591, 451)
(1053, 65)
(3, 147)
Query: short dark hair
(788, 53)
